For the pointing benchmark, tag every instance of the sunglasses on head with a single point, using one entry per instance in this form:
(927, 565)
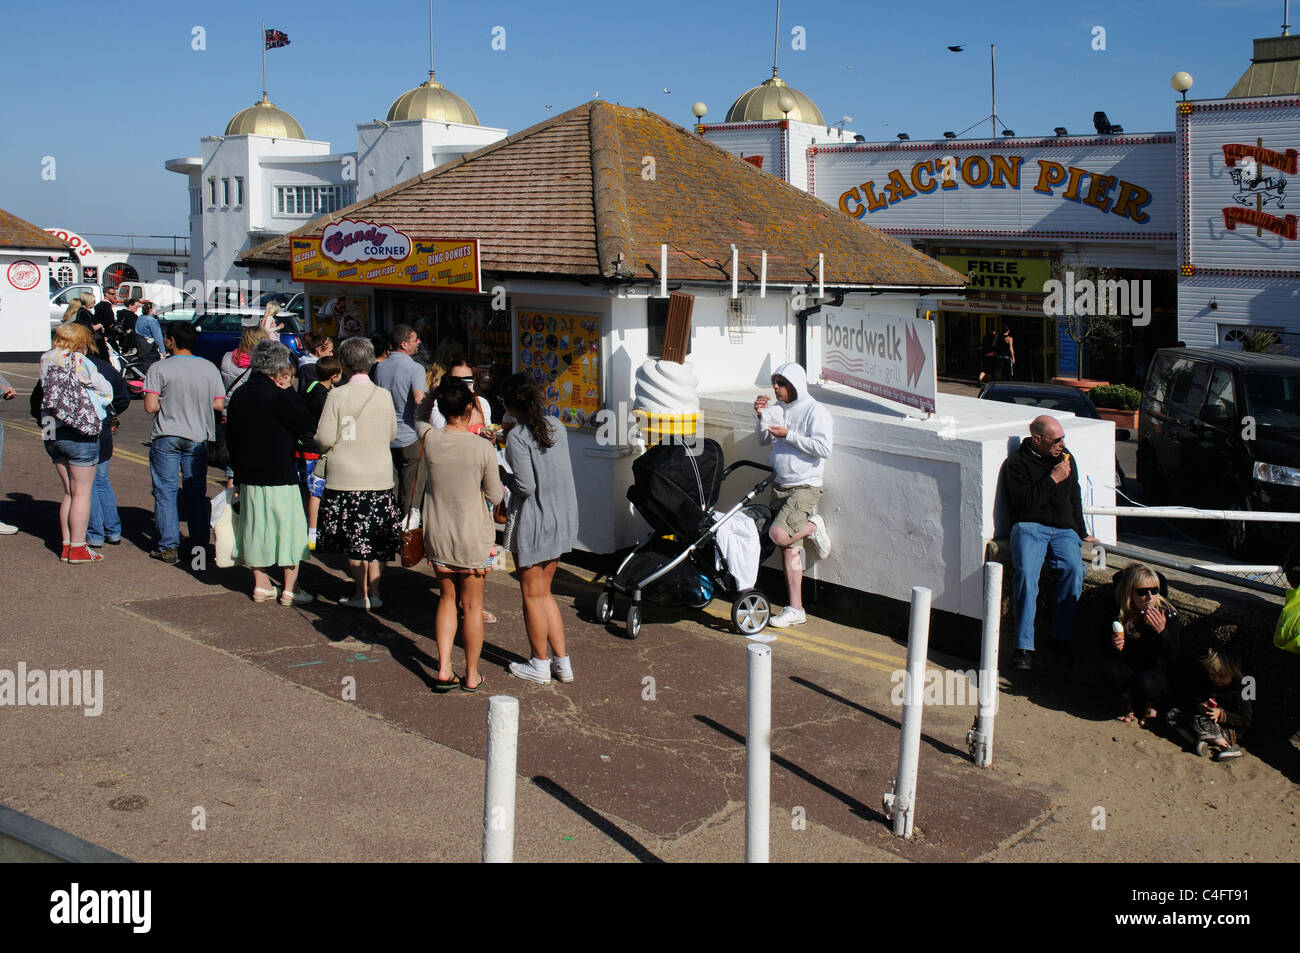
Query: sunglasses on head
(1147, 591)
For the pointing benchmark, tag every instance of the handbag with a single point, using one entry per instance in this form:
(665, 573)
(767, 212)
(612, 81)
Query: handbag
(413, 538)
(69, 400)
(512, 522)
(218, 448)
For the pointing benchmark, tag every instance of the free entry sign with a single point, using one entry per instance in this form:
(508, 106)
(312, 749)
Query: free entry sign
(888, 355)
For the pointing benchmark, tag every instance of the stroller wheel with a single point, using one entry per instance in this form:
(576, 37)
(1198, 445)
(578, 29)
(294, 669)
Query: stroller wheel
(750, 612)
(633, 621)
(604, 607)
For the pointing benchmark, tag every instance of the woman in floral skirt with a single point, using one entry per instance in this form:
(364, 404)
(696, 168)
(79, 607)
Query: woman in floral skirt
(358, 515)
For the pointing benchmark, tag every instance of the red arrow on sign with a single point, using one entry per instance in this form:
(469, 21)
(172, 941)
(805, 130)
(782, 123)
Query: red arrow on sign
(915, 356)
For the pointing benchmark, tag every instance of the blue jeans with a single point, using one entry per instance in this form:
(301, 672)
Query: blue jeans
(1063, 549)
(167, 457)
(104, 521)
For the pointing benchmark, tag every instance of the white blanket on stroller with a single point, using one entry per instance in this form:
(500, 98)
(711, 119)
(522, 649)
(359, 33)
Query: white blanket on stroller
(738, 544)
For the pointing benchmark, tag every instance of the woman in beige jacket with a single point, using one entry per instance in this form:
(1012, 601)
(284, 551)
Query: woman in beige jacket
(358, 515)
(459, 534)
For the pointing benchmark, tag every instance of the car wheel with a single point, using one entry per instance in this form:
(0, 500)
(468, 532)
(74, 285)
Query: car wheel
(1238, 534)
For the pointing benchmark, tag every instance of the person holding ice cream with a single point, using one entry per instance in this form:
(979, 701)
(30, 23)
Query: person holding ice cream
(799, 429)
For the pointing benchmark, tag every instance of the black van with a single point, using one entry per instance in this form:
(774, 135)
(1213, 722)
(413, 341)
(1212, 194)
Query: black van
(1221, 430)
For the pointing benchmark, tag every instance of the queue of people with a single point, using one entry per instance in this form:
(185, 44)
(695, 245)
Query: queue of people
(335, 454)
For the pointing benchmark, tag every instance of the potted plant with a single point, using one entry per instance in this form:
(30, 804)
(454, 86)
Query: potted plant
(1117, 402)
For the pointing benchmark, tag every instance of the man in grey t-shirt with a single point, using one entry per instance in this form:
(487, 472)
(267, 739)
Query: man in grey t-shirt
(181, 393)
(405, 380)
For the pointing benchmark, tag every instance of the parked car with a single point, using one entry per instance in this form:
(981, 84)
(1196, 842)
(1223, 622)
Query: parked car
(60, 299)
(161, 293)
(292, 301)
(1052, 397)
(1221, 430)
(219, 331)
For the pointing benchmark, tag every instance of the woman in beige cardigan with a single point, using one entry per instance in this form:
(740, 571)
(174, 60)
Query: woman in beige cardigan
(459, 534)
(358, 515)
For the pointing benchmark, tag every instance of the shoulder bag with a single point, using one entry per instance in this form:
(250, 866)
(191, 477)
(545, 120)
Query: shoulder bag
(68, 399)
(413, 537)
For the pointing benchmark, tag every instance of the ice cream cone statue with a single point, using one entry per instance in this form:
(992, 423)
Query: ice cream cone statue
(667, 401)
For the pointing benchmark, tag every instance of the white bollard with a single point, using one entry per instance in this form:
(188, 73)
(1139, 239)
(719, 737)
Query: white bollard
(909, 745)
(980, 739)
(758, 754)
(499, 786)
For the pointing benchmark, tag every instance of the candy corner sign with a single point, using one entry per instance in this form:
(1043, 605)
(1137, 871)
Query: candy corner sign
(371, 253)
(885, 355)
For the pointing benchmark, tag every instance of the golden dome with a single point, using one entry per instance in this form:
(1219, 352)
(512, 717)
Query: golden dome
(264, 119)
(432, 100)
(763, 104)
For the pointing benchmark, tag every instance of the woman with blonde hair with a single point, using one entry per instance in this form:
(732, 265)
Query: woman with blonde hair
(72, 310)
(71, 429)
(1144, 645)
(269, 322)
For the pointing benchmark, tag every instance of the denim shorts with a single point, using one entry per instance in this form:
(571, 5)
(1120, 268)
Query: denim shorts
(77, 453)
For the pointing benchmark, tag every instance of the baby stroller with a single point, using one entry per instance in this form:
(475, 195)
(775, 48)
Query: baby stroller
(675, 488)
(132, 368)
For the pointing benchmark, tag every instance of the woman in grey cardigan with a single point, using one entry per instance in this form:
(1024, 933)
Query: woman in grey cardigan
(544, 506)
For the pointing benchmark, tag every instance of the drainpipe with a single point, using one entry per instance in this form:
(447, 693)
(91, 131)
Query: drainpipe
(801, 348)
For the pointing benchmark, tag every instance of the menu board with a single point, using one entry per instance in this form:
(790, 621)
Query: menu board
(561, 352)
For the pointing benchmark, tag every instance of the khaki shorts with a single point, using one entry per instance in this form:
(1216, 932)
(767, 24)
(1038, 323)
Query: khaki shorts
(794, 506)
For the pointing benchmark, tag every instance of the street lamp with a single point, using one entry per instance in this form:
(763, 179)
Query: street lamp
(1182, 82)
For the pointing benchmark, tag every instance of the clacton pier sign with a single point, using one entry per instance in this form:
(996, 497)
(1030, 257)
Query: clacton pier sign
(1055, 188)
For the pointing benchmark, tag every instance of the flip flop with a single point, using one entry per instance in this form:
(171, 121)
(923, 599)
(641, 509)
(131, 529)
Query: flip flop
(488, 617)
(464, 686)
(441, 688)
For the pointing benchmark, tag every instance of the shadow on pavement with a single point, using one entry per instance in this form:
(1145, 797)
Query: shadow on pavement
(598, 821)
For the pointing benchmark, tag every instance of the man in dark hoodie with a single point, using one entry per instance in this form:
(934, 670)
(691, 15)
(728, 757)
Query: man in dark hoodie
(1047, 523)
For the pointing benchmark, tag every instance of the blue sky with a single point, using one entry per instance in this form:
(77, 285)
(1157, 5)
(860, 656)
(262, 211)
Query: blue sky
(112, 90)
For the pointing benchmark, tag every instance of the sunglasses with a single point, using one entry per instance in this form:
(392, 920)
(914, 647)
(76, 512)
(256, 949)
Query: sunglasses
(1153, 590)
(469, 381)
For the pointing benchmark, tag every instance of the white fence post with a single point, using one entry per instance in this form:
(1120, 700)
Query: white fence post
(499, 785)
(900, 804)
(758, 754)
(980, 738)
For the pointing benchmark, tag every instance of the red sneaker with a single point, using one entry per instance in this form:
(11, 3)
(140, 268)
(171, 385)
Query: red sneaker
(83, 554)
(63, 556)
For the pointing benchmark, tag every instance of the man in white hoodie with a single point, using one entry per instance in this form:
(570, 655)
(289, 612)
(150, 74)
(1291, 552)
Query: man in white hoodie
(799, 430)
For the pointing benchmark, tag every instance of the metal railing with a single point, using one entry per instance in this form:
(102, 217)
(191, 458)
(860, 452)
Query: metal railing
(1270, 579)
(180, 244)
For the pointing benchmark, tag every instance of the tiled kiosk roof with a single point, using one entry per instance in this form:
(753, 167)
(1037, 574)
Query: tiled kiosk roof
(571, 194)
(17, 233)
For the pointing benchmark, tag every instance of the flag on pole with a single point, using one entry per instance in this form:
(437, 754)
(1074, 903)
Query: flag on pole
(276, 39)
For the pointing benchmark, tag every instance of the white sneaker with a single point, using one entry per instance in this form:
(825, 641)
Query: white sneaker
(7, 530)
(788, 616)
(534, 670)
(821, 539)
(562, 669)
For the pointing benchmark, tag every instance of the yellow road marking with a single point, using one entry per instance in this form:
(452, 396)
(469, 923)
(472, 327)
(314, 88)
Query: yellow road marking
(802, 640)
(124, 454)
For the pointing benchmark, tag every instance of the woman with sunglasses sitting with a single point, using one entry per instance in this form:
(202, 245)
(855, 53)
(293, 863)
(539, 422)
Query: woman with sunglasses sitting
(1143, 647)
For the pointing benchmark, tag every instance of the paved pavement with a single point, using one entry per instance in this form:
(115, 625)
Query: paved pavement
(225, 734)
